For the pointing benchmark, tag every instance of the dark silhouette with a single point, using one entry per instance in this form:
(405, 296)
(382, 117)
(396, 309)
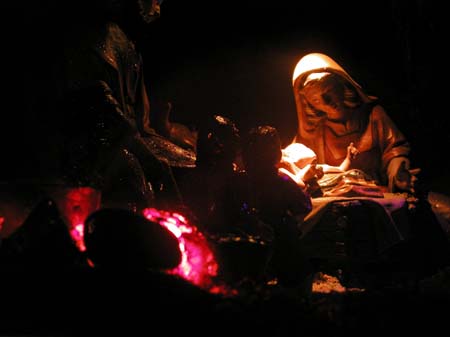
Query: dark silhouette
(278, 202)
(87, 117)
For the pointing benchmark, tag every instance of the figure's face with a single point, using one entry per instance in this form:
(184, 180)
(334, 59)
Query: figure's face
(327, 101)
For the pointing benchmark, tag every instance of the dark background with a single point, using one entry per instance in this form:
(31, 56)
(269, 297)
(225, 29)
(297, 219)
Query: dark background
(236, 58)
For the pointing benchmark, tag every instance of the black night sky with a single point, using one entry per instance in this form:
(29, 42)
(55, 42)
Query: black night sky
(236, 59)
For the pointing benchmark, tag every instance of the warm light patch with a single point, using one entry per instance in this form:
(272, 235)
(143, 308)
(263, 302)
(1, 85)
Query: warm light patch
(324, 283)
(314, 61)
(298, 153)
(309, 62)
(315, 76)
(296, 160)
(300, 162)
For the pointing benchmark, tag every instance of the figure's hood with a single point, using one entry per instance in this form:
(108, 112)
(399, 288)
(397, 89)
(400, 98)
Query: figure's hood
(309, 130)
(321, 63)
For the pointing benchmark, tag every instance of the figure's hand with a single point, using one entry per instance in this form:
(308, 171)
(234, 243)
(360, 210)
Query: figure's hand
(314, 172)
(311, 177)
(319, 171)
(288, 166)
(405, 179)
(352, 151)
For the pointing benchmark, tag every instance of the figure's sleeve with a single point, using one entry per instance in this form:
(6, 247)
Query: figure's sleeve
(394, 145)
(93, 130)
(393, 168)
(299, 202)
(142, 104)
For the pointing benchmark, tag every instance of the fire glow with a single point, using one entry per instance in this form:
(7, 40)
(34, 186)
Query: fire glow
(198, 264)
(75, 205)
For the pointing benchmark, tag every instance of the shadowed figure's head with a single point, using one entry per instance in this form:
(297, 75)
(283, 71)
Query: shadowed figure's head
(262, 151)
(217, 143)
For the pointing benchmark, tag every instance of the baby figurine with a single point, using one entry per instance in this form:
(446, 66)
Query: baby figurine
(300, 163)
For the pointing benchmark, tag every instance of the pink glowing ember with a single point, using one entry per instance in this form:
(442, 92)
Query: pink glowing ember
(198, 264)
(77, 234)
(75, 205)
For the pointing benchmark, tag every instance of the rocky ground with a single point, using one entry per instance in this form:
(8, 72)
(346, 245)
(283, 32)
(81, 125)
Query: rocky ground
(34, 305)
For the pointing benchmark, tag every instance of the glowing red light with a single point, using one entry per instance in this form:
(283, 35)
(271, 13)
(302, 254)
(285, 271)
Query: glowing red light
(75, 204)
(77, 233)
(198, 264)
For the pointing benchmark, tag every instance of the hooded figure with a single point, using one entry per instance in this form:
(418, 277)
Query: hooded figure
(333, 111)
(90, 100)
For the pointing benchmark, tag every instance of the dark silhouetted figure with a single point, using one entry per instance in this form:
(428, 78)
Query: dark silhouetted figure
(87, 117)
(209, 189)
(278, 202)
